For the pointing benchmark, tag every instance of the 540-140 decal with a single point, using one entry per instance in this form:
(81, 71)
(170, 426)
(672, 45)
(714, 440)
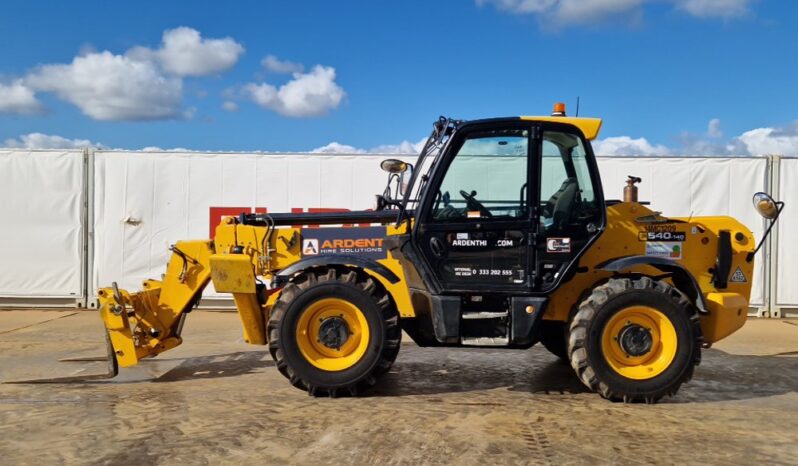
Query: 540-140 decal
(662, 236)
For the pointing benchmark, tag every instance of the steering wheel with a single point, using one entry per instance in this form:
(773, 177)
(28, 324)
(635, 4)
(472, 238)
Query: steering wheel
(473, 204)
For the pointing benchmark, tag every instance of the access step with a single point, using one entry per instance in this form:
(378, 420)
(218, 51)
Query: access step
(485, 341)
(484, 315)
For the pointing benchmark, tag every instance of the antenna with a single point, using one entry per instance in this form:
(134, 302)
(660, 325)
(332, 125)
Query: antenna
(577, 105)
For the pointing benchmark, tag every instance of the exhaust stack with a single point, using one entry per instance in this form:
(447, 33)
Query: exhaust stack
(630, 190)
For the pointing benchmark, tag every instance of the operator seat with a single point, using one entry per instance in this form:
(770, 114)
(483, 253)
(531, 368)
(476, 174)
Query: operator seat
(559, 204)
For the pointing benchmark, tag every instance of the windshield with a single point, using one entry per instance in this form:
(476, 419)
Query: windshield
(441, 133)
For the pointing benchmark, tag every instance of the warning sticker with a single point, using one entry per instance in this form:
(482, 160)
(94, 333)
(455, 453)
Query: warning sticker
(666, 249)
(738, 276)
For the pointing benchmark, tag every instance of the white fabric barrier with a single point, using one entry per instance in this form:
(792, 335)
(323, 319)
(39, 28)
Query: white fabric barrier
(691, 186)
(41, 238)
(145, 201)
(787, 248)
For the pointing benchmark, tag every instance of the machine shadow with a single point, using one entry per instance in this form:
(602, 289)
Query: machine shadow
(720, 377)
(218, 366)
(438, 371)
(469, 370)
(729, 377)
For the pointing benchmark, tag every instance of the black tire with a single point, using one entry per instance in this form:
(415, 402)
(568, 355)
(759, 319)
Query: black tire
(554, 337)
(355, 287)
(587, 326)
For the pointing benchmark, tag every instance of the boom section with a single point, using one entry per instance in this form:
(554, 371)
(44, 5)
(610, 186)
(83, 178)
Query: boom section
(148, 322)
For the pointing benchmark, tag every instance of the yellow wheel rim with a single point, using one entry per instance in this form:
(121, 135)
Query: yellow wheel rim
(318, 317)
(632, 354)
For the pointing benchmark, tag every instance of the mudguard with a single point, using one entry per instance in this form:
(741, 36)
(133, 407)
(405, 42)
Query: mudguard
(282, 277)
(682, 278)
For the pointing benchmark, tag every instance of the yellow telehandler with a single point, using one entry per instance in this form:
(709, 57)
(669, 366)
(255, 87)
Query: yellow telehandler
(498, 236)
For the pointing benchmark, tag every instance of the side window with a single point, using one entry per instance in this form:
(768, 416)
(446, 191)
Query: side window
(487, 178)
(567, 194)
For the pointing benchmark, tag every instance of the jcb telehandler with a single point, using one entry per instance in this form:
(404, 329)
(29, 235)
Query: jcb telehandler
(499, 236)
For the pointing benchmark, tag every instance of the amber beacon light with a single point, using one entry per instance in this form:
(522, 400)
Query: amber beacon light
(559, 109)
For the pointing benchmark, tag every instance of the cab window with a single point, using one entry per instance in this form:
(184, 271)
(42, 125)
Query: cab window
(567, 193)
(487, 178)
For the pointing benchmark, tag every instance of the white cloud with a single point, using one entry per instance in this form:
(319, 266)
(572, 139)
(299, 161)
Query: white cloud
(714, 8)
(230, 106)
(275, 65)
(709, 143)
(625, 145)
(713, 128)
(338, 148)
(762, 141)
(111, 87)
(759, 141)
(590, 11)
(16, 97)
(563, 12)
(48, 141)
(306, 95)
(521, 6)
(142, 84)
(183, 52)
(404, 147)
(569, 11)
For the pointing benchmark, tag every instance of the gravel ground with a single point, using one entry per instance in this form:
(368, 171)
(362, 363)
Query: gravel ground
(216, 400)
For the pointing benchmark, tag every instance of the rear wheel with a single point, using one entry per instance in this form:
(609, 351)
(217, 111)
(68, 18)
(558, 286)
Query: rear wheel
(333, 331)
(635, 340)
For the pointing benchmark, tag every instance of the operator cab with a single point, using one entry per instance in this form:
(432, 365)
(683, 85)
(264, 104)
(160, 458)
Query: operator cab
(503, 208)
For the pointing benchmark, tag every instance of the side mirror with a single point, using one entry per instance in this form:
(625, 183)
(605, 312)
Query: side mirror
(769, 209)
(404, 179)
(766, 206)
(393, 166)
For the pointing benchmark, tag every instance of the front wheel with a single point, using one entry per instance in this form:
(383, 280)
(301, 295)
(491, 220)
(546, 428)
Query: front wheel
(635, 340)
(333, 332)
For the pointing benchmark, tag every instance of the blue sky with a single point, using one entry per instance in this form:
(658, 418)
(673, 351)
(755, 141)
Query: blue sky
(667, 76)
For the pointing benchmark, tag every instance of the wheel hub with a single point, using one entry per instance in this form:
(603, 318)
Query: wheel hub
(333, 332)
(635, 340)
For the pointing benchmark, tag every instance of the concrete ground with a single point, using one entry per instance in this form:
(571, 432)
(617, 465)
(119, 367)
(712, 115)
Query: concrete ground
(217, 400)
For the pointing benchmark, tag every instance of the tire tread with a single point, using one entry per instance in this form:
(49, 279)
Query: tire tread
(586, 313)
(324, 275)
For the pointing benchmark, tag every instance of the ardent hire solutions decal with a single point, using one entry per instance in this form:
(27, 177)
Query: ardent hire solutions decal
(364, 242)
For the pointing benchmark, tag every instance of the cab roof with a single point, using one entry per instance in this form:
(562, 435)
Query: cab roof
(590, 127)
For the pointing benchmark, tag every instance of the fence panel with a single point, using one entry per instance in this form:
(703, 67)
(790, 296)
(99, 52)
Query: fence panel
(786, 249)
(42, 234)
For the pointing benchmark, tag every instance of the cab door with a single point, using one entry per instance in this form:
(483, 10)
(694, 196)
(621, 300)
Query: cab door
(475, 225)
(571, 212)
